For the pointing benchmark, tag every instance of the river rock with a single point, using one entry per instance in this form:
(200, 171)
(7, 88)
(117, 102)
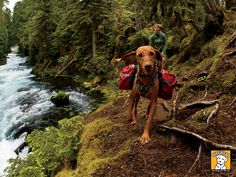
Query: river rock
(60, 99)
(23, 89)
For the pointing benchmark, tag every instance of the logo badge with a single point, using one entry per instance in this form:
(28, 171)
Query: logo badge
(220, 160)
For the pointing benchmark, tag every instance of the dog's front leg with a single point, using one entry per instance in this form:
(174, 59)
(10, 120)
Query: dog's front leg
(145, 138)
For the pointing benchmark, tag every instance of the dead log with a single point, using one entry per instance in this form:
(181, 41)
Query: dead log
(43, 74)
(205, 140)
(63, 69)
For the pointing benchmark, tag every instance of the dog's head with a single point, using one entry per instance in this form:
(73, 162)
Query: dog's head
(146, 57)
(221, 159)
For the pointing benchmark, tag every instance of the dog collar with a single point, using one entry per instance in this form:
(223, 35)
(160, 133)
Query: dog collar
(143, 87)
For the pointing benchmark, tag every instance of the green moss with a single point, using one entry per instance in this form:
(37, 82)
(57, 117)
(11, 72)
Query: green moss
(219, 44)
(110, 93)
(169, 123)
(65, 173)
(198, 121)
(60, 98)
(91, 155)
(229, 78)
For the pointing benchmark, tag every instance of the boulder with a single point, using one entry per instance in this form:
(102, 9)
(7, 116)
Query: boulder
(60, 99)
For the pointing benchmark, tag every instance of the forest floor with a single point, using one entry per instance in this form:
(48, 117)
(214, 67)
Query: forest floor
(205, 100)
(168, 153)
(205, 106)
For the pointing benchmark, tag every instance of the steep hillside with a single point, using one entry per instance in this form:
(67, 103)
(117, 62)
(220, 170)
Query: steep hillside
(203, 116)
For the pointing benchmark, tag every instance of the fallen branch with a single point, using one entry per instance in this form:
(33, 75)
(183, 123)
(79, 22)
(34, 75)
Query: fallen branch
(50, 61)
(63, 69)
(218, 145)
(43, 74)
(197, 104)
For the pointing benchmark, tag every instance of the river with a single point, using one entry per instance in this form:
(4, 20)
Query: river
(24, 100)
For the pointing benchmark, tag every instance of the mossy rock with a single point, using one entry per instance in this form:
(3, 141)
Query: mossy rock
(60, 99)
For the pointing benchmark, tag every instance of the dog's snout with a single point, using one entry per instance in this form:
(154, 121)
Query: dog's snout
(148, 68)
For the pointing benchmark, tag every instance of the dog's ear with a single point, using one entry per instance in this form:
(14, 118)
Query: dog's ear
(159, 58)
(130, 58)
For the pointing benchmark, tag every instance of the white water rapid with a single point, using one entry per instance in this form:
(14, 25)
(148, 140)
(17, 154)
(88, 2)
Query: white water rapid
(23, 99)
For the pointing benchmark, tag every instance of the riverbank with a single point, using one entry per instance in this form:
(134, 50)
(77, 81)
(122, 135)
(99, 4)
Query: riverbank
(25, 105)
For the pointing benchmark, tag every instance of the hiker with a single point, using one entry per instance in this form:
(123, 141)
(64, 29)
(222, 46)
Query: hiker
(159, 40)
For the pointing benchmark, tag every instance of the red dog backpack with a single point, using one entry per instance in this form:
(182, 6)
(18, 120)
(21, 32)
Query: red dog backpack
(127, 75)
(167, 84)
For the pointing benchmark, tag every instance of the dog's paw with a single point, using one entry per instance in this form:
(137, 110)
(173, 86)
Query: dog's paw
(134, 122)
(145, 139)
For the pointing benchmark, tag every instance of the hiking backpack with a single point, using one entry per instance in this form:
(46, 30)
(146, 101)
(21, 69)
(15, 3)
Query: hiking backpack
(167, 81)
(167, 84)
(127, 76)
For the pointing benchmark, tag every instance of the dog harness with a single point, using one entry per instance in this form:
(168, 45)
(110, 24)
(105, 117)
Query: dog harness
(142, 86)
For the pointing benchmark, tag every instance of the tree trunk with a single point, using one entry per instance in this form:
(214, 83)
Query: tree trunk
(153, 10)
(94, 40)
(137, 17)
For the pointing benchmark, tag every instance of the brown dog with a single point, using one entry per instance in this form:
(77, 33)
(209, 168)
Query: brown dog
(146, 84)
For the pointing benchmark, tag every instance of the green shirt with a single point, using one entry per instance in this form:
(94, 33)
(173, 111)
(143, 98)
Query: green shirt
(159, 41)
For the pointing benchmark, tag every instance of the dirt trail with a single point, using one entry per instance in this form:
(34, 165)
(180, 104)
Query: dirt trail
(170, 153)
(167, 154)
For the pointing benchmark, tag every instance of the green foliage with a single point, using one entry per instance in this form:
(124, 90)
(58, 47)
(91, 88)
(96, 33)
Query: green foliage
(3, 34)
(97, 65)
(53, 29)
(140, 38)
(51, 149)
(23, 167)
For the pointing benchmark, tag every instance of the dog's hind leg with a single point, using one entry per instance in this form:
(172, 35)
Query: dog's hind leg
(133, 101)
(134, 113)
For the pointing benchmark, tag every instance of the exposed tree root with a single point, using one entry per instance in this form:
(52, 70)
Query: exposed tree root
(166, 106)
(174, 105)
(200, 147)
(232, 102)
(204, 95)
(196, 160)
(205, 140)
(198, 104)
(213, 113)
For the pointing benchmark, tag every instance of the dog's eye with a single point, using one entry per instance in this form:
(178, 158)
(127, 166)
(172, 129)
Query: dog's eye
(152, 54)
(140, 55)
